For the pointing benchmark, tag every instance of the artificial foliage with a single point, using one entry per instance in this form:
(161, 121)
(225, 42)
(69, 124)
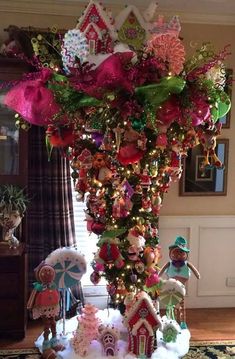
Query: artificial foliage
(125, 119)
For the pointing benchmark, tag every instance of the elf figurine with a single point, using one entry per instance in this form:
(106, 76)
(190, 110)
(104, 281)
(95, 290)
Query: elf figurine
(180, 269)
(44, 303)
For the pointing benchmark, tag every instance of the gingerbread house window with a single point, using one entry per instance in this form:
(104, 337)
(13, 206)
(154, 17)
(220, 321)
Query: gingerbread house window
(108, 339)
(92, 47)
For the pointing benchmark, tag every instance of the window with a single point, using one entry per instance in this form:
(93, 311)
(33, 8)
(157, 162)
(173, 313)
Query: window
(86, 244)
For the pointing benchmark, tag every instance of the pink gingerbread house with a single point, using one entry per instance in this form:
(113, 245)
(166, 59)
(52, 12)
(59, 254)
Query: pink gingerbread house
(109, 337)
(97, 25)
(161, 27)
(142, 321)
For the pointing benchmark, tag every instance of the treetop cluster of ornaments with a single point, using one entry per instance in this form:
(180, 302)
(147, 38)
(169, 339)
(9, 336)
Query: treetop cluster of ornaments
(124, 113)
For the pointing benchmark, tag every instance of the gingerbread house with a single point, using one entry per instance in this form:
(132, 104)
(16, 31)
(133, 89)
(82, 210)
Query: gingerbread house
(97, 25)
(172, 27)
(142, 321)
(108, 338)
(133, 26)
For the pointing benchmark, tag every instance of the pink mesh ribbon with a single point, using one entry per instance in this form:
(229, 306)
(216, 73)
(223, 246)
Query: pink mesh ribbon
(33, 101)
(111, 74)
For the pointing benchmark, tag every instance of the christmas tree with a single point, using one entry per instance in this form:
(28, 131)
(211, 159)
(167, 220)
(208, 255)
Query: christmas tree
(125, 123)
(87, 330)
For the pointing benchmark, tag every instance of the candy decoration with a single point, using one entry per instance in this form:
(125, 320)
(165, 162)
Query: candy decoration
(74, 47)
(169, 50)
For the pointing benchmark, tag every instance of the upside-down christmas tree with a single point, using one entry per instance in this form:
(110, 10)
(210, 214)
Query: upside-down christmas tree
(125, 119)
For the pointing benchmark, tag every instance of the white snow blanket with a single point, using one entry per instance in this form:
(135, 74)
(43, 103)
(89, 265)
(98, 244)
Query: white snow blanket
(110, 316)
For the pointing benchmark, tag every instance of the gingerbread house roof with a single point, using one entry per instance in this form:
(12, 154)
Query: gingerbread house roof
(139, 324)
(121, 17)
(150, 11)
(142, 296)
(95, 28)
(103, 14)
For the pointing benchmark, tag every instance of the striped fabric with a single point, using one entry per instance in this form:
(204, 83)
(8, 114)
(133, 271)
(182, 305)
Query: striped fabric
(50, 219)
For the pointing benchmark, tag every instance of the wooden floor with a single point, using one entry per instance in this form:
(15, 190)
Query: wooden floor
(204, 324)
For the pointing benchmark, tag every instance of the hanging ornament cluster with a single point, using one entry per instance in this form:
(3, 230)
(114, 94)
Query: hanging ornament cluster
(125, 123)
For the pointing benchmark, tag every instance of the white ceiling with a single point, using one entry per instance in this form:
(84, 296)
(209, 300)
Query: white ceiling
(198, 11)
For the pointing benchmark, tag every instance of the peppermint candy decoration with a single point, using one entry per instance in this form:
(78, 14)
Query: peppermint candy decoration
(74, 45)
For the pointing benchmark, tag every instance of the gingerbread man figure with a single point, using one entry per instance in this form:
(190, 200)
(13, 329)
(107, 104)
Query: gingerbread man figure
(180, 269)
(44, 303)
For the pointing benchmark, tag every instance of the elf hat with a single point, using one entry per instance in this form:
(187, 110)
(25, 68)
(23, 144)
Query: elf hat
(180, 243)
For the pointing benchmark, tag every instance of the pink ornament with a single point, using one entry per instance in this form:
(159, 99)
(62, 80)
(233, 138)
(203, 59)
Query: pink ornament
(168, 112)
(99, 267)
(152, 280)
(198, 112)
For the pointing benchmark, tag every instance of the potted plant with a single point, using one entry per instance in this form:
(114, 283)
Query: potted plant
(13, 203)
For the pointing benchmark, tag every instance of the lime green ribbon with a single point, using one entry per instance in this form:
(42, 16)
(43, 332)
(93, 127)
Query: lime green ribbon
(155, 94)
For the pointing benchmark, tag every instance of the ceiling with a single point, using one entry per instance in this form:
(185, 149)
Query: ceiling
(212, 11)
(197, 11)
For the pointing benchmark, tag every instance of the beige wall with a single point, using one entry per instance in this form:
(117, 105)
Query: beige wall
(173, 204)
(220, 36)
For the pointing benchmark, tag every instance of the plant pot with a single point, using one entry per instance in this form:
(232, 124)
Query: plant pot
(9, 222)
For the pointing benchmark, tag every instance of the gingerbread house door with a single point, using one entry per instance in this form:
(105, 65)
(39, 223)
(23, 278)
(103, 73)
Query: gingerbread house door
(142, 346)
(109, 344)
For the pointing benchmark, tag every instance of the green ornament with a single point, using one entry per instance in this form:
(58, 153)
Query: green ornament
(88, 101)
(224, 105)
(138, 124)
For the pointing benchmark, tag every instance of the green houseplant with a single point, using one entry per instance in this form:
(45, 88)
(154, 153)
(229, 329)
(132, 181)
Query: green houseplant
(13, 204)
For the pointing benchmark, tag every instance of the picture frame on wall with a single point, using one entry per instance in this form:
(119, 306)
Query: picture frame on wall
(199, 181)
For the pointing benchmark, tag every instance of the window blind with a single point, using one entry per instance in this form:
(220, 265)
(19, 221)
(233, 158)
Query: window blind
(86, 243)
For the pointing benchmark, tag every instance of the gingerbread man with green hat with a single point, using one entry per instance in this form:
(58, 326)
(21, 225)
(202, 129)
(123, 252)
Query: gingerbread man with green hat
(180, 269)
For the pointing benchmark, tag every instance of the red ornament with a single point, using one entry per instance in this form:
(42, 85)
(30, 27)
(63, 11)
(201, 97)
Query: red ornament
(97, 227)
(60, 136)
(110, 254)
(129, 154)
(95, 278)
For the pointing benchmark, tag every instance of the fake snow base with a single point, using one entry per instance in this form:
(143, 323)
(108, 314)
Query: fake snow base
(164, 350)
